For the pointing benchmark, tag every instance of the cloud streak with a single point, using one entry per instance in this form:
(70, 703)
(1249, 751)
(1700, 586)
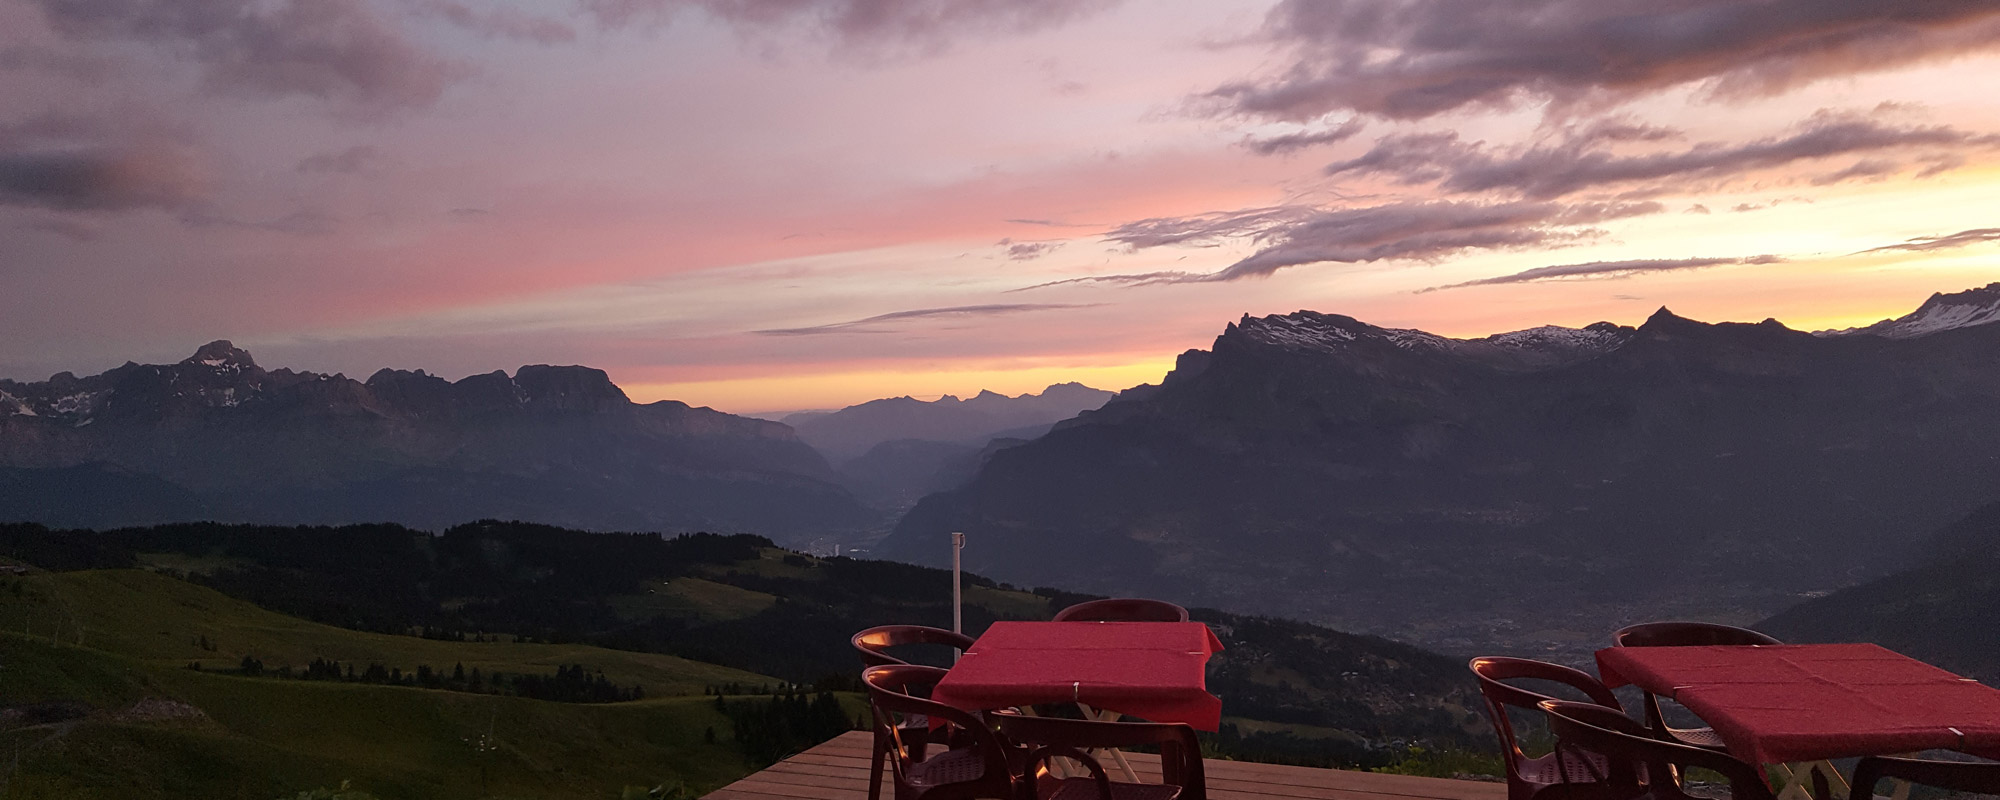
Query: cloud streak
(1294, 142)
(866, 325)
(863, 26)
(1944, 242)
(1598, 157)
(1408, 231)
(355, 160)
(1606, 269)
(1140, 279)
(334, 50)
(1028, 251)
(1410, 59)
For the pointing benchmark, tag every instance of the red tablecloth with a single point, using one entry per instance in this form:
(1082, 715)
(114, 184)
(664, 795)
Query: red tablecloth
(1783, 703)
(1153, 670)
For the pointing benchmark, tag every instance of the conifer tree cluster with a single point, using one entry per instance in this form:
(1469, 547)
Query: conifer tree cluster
(568, 684)
(770, 728)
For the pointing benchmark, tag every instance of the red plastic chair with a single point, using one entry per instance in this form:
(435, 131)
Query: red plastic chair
(981, 766)
(1123, 609)
(1978, 777)
(1550, 773)
(1631, 754)
(915, 734)
(874, 643)
(1180, 758)
(1684, 634)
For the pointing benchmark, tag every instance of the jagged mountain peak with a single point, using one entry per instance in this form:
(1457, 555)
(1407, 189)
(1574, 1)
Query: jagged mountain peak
(569, 388)
(1665, 317)
(221, 354)
(1312, 331)
(1942, 312)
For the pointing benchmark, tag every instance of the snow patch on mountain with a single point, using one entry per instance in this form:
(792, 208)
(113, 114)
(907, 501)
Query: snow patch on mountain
(1308, 331)
(79, 403)
(1942, 312)
(14, 406)
(1554, 336)
(1312, 332)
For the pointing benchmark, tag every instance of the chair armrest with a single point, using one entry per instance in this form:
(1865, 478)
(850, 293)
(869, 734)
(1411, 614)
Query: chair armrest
(1044, 753)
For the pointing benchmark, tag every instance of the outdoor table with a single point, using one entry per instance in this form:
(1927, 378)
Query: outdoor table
(1780, 704)
(1152, 670)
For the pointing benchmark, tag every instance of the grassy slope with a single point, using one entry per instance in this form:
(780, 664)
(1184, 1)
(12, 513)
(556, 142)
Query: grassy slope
(161, 620)
(259, 738)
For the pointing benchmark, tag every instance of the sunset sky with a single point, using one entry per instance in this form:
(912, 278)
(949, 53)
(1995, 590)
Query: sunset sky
(761, 205)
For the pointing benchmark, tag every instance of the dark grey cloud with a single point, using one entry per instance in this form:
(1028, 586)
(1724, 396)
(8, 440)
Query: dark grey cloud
(302, 222)
(865, 325)
(1607, 269)
(1294, 142)
(1028, 251)
(100, 178)
(81, 67)
(340, 51)
(502, 22)
(1944, 242)
(354, 160)
(67, 228)
(872, 26)
(1410, 59)
(1599, 157)
(1409, 231)
(74, 162)
(1140, 279)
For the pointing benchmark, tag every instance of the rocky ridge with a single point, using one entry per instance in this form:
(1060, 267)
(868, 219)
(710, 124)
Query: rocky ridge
(218, 436)
(1520, 488)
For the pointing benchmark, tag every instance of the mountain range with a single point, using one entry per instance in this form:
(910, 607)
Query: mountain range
(1941, 611)
(1526, 490)
(217, 437)
(852, 431)
(892, 451)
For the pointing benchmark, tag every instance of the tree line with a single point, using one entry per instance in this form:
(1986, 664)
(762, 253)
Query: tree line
(568, 684)
(770, 728)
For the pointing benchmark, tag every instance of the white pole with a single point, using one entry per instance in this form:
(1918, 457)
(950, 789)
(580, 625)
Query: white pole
(957, 588)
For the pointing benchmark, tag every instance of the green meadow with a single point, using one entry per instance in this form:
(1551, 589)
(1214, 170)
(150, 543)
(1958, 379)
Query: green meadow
(166, 621)
(94, 670)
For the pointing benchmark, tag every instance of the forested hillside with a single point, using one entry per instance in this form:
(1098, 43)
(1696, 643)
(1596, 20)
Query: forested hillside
(738, 602)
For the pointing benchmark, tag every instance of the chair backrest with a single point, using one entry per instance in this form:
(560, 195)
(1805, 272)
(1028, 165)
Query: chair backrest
(1123, 609)
(1686, 634)
(892, 697)
(1494, 671)
(1626, 745)
(1960, 776)
(1180, 751)
(873, 642)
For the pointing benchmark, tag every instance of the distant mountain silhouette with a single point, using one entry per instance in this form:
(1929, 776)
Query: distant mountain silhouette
(1942, 611)
(891, 452)
(852, 431)
(1531, 489)
(218, 437)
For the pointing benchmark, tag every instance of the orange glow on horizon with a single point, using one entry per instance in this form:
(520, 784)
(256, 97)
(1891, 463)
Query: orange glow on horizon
(833, 390)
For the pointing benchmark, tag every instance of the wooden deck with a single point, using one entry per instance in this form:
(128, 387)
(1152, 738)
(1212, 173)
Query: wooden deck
(838, 770)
